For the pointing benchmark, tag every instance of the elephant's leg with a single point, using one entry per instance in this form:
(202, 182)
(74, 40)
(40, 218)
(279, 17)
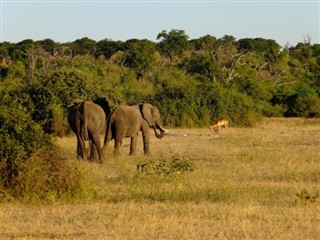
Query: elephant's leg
(104, 147)
(81, 149)
(146, 137)
(93, 151)
(133, 144)
(117, 144)
(90, 149)
(96, 148)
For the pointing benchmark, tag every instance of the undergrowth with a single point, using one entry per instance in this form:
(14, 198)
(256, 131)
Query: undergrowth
(47, 176)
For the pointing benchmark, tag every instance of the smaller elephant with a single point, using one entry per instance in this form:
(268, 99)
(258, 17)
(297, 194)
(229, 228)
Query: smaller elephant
(128, 121)
(87, 120)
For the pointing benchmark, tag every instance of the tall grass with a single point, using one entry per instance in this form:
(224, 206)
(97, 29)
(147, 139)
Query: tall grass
(48, 177)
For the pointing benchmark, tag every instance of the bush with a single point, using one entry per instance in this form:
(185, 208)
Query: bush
(270, 110)
(306, 106)
(47, 176)
(176, 165)
(30, 165)
(239, 108)
(20, 136)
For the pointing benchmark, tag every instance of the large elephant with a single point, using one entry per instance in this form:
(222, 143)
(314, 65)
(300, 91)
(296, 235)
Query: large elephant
(88, 121)
(128, 121)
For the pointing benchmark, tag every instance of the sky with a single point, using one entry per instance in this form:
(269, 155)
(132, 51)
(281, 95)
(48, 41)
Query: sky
(286, 22)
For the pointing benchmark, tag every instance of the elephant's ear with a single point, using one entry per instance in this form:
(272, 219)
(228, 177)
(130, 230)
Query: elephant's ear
(146, 110)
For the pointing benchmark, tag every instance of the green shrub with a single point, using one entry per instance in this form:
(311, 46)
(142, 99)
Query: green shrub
(270, 110)
(239, 108)
(304, 102)
(30, 166)
(306, 106)
(57, 122)
(20, 136)
(176, 165)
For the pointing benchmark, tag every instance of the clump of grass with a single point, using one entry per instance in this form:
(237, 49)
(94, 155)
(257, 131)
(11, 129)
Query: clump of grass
(175, 165)
(306, 197)
(47, 176)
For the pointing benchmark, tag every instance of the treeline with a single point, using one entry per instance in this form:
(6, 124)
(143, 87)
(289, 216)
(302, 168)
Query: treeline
(191, 81)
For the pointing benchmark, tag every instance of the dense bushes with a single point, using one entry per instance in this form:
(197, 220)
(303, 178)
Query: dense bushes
(305, 106)
(31, 167)
(19, 138)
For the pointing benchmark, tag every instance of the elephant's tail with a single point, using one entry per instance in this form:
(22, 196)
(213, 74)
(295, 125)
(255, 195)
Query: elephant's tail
(108, 136)
(85, 121)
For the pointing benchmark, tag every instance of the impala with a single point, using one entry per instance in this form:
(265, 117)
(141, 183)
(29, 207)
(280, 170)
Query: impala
(220, 123)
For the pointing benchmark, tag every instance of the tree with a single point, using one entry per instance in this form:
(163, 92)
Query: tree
(49, 46)
(140, 55)
(228, 59)
(83, 46)
(172, 44)
(259, 45)
(108, 47)
(201, 65)
(204, 44)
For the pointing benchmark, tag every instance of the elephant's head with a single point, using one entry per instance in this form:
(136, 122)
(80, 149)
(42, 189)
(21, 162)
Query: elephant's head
(152, 115)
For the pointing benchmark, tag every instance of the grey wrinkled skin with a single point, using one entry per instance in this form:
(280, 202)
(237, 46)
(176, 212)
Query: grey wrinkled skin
(88, 121)
(128, 121)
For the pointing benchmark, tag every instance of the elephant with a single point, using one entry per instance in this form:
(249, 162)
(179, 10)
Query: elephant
(128, 121)
(88, 121)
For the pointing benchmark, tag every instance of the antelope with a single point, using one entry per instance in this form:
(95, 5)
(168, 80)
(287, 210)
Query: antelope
(222, 122)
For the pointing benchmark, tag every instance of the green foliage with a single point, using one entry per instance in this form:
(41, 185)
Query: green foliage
(202, 66)
(306, 106)
(30, 166)
(228, 103)
(270, 110)
(304, 102)
(20, 137)
(140, 56)
(108, 47)
(83, 46)
(173, 44)
(205, 43)
(267, 47)
(57, 122)
(66, 78)
(176, 165)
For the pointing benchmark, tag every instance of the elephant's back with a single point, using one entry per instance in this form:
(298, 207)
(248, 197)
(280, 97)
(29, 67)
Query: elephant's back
(126, 119)
(95, 115)
(119, 114)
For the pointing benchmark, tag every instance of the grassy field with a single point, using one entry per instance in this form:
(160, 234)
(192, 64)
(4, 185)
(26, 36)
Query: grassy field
(245, 183)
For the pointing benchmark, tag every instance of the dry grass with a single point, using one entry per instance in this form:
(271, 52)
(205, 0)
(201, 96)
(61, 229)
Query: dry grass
(244, 186)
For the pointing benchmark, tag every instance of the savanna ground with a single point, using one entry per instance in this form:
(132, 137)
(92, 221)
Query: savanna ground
(246, 183)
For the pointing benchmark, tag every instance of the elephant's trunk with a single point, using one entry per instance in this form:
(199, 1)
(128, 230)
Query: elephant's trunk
(162, 131)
